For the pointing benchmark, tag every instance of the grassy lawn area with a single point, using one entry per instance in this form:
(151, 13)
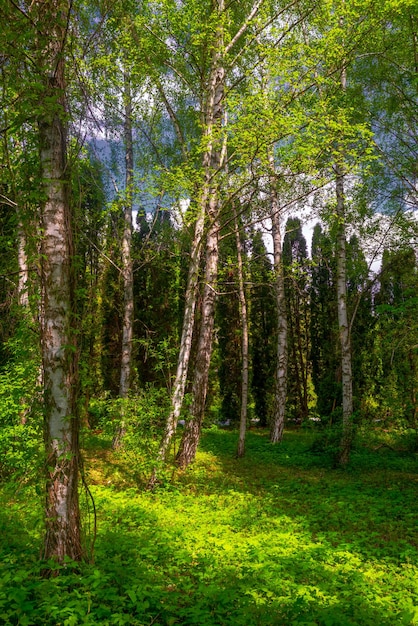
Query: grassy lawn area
(276, 538)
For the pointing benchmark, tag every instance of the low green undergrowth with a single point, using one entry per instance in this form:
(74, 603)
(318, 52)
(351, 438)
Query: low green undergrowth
(277, 538)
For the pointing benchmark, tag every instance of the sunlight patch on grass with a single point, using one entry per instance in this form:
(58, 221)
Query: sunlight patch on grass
(278, 538)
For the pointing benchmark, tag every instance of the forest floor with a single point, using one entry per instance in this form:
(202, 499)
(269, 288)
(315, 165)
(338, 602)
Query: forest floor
(277, 538)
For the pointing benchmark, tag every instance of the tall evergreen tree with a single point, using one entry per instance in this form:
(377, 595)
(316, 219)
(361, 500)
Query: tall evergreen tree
(263, 314)
(295, 264)
(396, 303)
(229, 333)
(323, 324)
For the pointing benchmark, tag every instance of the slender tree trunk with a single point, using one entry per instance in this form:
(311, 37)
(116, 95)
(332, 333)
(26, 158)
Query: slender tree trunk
(212, 161)
(186, 336)
(244, 344)
(304, 351)
(343, 323)
(191, 435)
(127, 271)
(208, 199)
(212, 113)
(63, 537)
(302, 360)
(23, 298)
(277, 423)
(23, 266)
(179, 384)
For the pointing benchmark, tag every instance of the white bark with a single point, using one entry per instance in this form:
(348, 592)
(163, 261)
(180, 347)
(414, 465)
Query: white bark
(343, 324)
(213, 159)
(244, 344)
(23, 267)
(279, 407)
(179, 385)
(192, 429)
(127, 270)
(58, 350)
(212, 112)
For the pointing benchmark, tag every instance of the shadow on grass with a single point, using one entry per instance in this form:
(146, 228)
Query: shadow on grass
(372, 506)
(154, 568)
(276, 538)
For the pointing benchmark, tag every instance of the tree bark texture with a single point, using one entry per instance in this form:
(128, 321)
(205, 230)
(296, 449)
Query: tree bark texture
(63, 537)
(179, 385)
(244, 344)
(343, 324)
(127, 270)
(212, 163)
(280, 381)
(191, 435)
(23, 267)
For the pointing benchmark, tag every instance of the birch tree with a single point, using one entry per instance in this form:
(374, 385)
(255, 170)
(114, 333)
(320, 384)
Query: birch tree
(127, 269)
(201, 69)
(212, 160)
(59, 352)
(280, 380)
(296, 282)
(244, 340)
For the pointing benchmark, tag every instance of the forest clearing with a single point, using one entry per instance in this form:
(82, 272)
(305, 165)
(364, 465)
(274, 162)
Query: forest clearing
(208, 312)
(276, 538)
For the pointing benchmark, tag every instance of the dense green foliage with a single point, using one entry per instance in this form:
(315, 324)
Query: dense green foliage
(203, 121)
(277, 538)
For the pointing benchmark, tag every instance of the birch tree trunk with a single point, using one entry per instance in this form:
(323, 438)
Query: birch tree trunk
(23, 265)
(127, 270)
(191, 435)
(212, 162)
(280, 380)
(343, 325)
(63, 537)
(212, 113)
(244, 344)
(179, 384)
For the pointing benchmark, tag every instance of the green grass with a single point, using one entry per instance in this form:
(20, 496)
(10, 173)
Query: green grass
(277, 538)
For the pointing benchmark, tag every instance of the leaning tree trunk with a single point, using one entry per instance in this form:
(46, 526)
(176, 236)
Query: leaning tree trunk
(179, 384)
(23, 266)
(63, 537)
(212, 114)
(280, 380)
(191, 435)
(127, 271)
(213, 159)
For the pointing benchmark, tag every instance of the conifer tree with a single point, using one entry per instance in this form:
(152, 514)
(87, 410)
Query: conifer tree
(296, 289)
(263, 329)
